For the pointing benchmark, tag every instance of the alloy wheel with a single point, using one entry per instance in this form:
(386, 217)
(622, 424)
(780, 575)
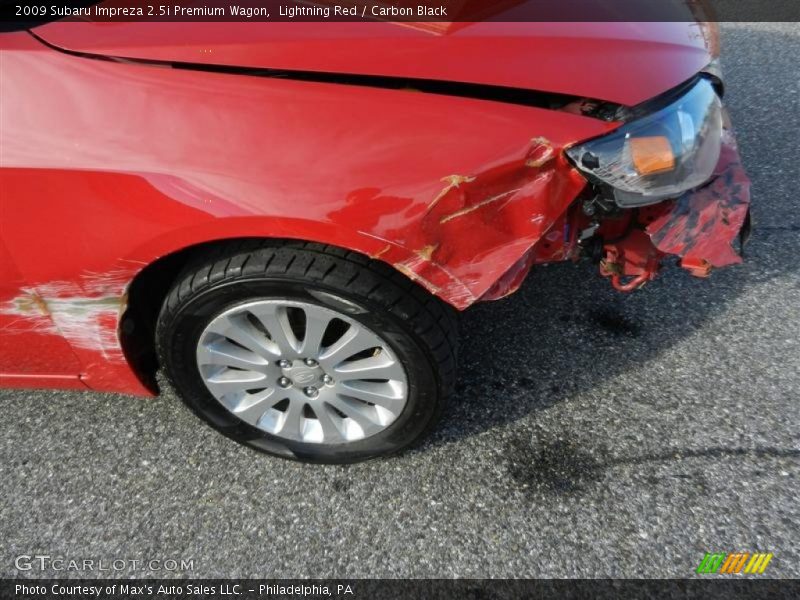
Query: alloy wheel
(302, 372)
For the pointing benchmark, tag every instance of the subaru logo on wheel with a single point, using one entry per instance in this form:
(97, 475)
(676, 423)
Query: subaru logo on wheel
(303, 377)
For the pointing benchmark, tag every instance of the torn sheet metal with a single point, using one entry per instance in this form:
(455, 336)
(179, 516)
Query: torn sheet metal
(632, 262)
(491, 217)
(702, 225)
(558, 244)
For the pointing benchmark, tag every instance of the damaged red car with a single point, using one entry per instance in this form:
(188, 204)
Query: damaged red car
(287, 217)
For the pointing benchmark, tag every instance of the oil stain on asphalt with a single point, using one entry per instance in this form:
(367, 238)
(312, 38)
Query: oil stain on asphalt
(615, 323)
(544, 466)
(552, 466)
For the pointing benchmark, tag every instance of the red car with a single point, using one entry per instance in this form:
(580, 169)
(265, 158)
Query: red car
(287, 217)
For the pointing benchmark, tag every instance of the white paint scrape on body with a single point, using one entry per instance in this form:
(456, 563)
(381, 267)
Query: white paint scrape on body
(86, 313)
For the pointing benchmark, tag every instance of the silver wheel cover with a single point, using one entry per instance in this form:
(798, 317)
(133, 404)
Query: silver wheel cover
(302, 372)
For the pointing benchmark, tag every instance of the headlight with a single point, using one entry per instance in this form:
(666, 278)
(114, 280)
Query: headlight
(660, 155)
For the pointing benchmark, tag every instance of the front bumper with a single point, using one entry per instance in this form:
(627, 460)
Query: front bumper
(703, 227)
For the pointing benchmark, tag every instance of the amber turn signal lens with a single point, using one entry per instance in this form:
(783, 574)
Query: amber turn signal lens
(651, 155)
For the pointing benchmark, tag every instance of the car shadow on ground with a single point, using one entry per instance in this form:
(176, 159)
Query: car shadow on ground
(567, 331)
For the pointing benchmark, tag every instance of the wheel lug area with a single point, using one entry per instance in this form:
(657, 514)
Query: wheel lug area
(302, 374)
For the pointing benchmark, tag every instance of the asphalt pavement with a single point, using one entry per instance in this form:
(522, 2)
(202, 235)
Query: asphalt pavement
(592, 434)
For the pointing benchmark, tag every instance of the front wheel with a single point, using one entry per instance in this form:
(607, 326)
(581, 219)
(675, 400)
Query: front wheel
(307, 351)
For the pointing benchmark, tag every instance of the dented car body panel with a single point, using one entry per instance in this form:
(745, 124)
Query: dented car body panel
(702, 226)
(108, 166)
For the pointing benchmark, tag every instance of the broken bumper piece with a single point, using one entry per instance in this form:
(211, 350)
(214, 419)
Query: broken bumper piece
(703, 227)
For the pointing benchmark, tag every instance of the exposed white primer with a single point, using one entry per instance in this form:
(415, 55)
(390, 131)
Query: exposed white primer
(85, 313)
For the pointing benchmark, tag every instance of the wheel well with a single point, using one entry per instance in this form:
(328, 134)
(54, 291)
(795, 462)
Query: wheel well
(149, 288)
(146, 294)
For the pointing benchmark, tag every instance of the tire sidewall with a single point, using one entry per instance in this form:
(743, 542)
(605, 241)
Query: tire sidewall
(180, 335)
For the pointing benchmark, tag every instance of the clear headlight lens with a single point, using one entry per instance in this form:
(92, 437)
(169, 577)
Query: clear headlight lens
(660, 155)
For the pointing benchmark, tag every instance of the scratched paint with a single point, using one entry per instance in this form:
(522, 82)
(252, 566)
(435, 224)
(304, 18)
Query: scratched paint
(542, 152)
(492, 216)
(86, 313)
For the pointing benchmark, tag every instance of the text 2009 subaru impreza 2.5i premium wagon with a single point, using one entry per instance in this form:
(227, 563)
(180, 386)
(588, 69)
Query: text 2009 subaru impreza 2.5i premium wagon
(286, 217)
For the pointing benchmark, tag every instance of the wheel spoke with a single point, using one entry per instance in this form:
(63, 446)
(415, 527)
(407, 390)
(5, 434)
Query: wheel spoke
(292, 423)
(237, 328)
(361, 413)
(316, 325)
(253, 407)
(330, 429)
(276, 321)
(231, 380)
(389, 395)
(224, 353)
(354, 340)
(373, 367)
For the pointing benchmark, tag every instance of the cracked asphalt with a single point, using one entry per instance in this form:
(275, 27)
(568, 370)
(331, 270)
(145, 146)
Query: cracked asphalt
(592, 434)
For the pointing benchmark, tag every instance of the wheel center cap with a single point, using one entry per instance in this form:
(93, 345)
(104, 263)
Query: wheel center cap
(305, 375)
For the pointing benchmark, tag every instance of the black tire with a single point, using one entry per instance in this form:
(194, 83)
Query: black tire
(420, 329)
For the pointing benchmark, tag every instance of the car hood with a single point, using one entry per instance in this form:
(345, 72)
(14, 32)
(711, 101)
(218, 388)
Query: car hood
(625, 63)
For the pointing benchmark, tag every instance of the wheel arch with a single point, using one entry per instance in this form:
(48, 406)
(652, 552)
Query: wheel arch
(150, 286)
